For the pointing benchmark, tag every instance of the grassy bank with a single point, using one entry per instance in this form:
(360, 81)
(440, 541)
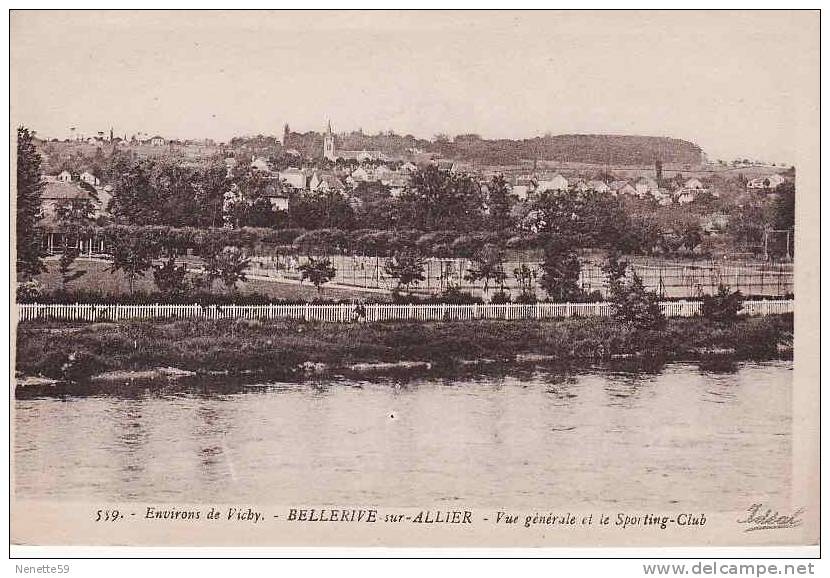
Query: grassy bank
(284, 349)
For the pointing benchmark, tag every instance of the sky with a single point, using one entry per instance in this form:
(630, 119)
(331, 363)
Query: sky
(732, 82)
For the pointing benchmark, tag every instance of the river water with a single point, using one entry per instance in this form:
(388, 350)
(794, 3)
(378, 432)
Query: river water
(680, 437)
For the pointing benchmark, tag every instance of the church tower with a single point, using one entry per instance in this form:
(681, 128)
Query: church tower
(328, 144)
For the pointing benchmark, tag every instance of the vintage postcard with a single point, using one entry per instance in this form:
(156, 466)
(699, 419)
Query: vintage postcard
(415, 278)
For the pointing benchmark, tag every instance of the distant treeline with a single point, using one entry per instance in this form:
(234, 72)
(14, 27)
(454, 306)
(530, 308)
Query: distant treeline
(585, 148)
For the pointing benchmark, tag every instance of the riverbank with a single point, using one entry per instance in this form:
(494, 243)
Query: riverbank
(280, 349)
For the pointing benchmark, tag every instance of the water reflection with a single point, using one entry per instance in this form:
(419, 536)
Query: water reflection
(606, 436)
(130, 434)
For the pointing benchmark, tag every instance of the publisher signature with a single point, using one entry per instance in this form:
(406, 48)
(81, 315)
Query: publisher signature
(759, 517)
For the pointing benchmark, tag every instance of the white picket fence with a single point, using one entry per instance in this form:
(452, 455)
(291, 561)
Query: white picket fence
(344, 313)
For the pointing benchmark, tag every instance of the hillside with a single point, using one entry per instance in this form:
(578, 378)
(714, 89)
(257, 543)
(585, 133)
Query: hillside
(594, 149)
(585, 148)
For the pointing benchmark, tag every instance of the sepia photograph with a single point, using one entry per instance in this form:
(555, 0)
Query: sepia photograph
(414, 278)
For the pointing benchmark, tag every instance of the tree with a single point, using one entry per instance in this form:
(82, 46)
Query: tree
(723, 306)
(525, 276)
(74, 214)
(318, 271)
(161, 192)
(133, 255)
(169, 278)
(438, 200)
(407, 267)
(487, 265)
(746, 225)
(498, 203)
(29, 189)
(321, 210)
(375, 208)
(615, 268)
(229, 265)
(783, 208)
(560, 272)
(636, 306)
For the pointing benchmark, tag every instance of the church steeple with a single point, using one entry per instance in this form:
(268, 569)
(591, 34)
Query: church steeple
(328, 144)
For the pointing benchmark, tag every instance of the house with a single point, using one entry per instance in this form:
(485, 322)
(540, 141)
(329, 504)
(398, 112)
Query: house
(329, 183)
(599, 187)
(556, 183)
(260, 164)
(325, 182)
(396, 183)
(694, 185)
(684, 197)
(615, 186)
(765, 183)
(645, 186)
(294, 177)
(157, 141)
(361, 175)
(445, 165)
(64, 176)
(579, 186)
(363, 156)
(408, 167)
(314, 181)
(278, 199)
(520, 192)
(230, 164)
(90, 179)
(627, 189)
(662, 196)
(58, 193)
(381, 172)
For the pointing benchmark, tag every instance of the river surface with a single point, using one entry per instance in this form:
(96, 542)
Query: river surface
(680, 437)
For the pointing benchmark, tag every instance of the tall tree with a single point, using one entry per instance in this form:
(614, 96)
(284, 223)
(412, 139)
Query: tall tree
(560, 272)
(439, 200)
(29, 189)
(132, 254)
(783, 208)
(498, 203)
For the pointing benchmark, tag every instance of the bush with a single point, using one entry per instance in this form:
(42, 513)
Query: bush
(500, 297)
(723, 306)
(527, 298)
(29, 291)
(169, 278)
(634, 305)
(66, 365)
(457, 297)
